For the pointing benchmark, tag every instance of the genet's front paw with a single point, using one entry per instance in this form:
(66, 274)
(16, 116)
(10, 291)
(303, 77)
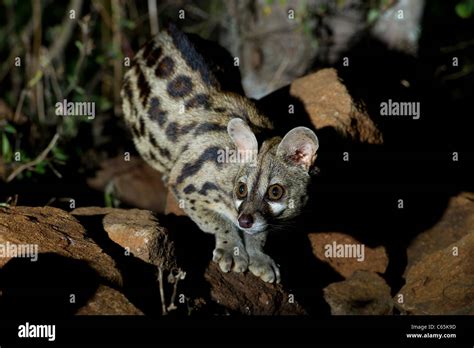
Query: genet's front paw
(231, 257)
(263, 266)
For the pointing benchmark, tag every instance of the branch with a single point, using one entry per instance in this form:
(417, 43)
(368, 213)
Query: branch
(37, 160)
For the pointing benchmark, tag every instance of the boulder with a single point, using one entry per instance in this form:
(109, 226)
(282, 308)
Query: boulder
(53, 230)
(247, 294)
(441, 283)
(375, 259)
(364, 293)
(108, 301)
(457, 221)
(138, 231)
(329, 104)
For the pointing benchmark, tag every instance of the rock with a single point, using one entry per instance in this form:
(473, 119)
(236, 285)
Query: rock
(137, 231)
(441, 283)
(456, 222)
(329, 104)
(134, 182)
(375, 259)
(108, 301)
(53, 230)
(364, 293)
(246, 294)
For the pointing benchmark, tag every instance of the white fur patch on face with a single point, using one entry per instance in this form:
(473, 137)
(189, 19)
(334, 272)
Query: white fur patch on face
(277, 207)
(238, 203)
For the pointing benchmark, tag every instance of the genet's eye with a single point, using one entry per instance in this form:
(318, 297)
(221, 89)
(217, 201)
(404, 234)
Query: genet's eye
(275, 192)
(241, 190)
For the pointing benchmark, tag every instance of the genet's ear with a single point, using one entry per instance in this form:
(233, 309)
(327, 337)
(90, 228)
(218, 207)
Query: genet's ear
(299, 147)
(243, 137)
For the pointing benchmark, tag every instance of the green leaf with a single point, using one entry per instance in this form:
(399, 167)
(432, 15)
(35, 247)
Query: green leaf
(79, 45)
(104, 104)
(6, 148)
(59, 154)
(9, 129)
(372, 15)
(41, 168)
(464, 9)
(79, 90)
(128, 24)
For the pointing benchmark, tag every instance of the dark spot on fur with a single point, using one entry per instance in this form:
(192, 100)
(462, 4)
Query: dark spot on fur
(216, 200)
(190, 189)
(207, 201)
(165, 68)
(127, 89)
(225, 242)
(153, 156)
(192, 208)
(147, 48)
(180, 87)
(187, 128)
(142, 125)
(226, 232)
(154, 56)
(190, 169)
(192, 201)
(164, 152)
(135, 131)
(209, 127)
(143, 87)
(190, 55)
(199, 100)
(173, 131)
(216, 229)
(208, 186)
(152, 140)
(155, 112)
(220, 109)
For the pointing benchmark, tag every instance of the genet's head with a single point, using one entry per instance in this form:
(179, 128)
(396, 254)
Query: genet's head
(271, 186)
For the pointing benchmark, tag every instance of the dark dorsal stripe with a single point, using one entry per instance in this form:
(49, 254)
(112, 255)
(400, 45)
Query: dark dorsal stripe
(165, 68)
(191, 56)
(180, 87)
(199, 100)
(190, 169)
(155, 113)
(208, 186)
(209, 127)
(154, 56)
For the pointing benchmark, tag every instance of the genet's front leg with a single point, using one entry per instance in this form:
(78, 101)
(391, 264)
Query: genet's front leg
(260, 264)
(230, 252)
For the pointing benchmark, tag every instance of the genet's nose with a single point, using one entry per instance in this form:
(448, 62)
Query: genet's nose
(245, 221)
